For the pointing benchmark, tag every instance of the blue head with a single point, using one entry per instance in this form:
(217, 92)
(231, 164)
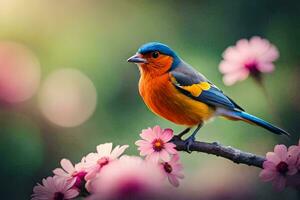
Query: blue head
(151, 51)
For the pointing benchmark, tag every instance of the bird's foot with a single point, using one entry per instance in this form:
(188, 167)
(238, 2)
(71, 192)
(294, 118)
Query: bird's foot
(181, 134)
(188, 142)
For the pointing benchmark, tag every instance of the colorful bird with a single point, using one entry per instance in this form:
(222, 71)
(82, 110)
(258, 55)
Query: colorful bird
(174, 90)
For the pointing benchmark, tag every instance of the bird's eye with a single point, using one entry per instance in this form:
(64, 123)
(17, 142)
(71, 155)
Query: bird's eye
(155, 54)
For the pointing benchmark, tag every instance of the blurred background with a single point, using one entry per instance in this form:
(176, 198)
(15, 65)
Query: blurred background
(65, 85)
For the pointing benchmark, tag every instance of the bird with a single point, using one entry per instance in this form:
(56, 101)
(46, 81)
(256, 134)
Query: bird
(174, 90)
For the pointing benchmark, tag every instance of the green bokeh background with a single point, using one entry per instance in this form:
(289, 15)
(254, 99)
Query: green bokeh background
(97, 37)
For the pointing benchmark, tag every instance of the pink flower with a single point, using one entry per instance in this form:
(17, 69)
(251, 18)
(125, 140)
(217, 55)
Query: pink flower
(126, 178)
(96, 161)
(155, 144)
(71, 172)
(277, 167)
(248, 57)
(54, 188)
(172, 170)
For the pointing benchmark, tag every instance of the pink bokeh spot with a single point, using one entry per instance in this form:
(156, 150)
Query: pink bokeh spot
(19, 72)
(126, 178)
(67, 97)
(131, 186)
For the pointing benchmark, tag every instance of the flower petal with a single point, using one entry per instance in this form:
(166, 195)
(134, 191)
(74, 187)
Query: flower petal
(163, 154)
(266, 67)
(229, 66)
(242, 46)
(170, 147)
(154, 157)
(281, 151)
(70, 194)
(148, 135)
(271, 156)
(267, 175)
(142, 143)
(68, 183)
(177, 167)
(232, 54)
(60, 183)
(270, 55)
(173, 180)
(60, 172)
(91, 174)
(179, 175)
(230, 79)
(167, 135)
(67, 165)
(91, 161)
(175, 158)
(269, 165)
(293, 154)
(104, 149)
(118, 151)
(49, 183)
(146, 150)
(158, 131)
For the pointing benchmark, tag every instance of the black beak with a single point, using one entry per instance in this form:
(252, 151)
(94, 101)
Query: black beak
(136, 59)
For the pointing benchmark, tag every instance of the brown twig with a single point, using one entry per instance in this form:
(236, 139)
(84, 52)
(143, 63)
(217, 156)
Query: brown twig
(217, 149)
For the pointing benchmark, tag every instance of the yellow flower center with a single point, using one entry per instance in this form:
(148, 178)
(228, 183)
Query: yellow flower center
(158, 145)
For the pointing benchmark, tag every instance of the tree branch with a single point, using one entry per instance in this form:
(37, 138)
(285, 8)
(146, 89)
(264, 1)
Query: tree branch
(217, 149)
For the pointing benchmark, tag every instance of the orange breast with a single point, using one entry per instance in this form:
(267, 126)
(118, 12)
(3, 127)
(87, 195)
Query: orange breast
(162, 98)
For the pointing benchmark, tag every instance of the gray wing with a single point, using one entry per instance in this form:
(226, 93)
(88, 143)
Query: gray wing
(185, 75)
(184, 70)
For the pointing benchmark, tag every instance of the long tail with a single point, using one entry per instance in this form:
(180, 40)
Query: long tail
(251, 119)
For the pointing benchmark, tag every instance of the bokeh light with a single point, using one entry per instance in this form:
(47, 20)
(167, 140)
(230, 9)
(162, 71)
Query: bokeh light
(67, 98)
(19, 72)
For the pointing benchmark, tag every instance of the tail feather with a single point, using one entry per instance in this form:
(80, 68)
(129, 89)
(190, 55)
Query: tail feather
(255, 120)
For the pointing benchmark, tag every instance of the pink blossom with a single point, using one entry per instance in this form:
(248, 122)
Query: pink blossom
(54, 188)
(155, 144)
(248, 57)
(173, 170)
(71, 172)
(126, 178)
(278, 167)
(96, 161)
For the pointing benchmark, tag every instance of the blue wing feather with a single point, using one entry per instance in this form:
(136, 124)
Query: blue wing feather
(215, 97)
